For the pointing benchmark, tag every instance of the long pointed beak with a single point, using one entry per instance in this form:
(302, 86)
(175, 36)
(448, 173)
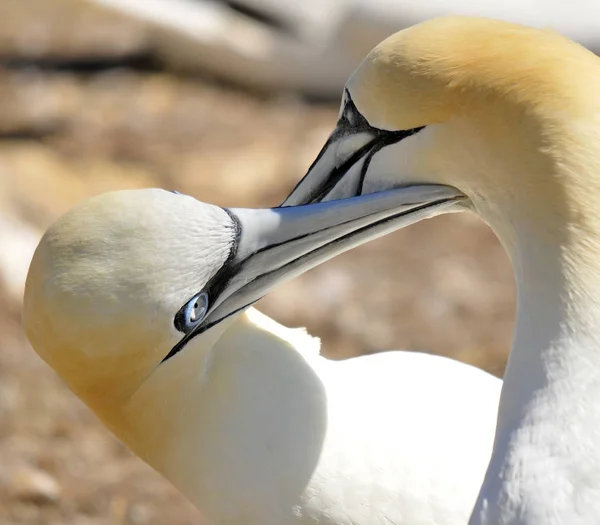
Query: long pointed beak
(275, 245)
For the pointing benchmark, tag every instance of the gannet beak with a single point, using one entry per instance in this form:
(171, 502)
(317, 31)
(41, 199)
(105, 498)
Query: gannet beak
(340, 168)
(274, 245)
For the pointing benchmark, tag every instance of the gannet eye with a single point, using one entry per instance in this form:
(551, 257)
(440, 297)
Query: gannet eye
(192, 313)
(196, 309)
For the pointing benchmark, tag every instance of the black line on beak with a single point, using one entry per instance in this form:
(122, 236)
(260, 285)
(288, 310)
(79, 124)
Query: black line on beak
(378, 146)
(229, 270)
(337, 174)
(351, 122)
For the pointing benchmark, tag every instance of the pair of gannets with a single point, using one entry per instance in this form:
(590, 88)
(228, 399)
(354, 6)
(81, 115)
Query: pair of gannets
(139, 301)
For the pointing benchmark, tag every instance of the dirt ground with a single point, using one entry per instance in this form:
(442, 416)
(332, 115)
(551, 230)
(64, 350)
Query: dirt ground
(84, 109)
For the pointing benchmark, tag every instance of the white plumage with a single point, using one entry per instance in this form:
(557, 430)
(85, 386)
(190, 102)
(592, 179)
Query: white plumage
(510, 117)
(247, 419)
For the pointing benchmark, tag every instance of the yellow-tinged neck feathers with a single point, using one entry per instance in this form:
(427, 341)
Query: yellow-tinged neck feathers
(179, 408)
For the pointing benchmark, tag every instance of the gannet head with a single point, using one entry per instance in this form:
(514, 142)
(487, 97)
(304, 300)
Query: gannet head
(502, 112)
(110, 282)
(130, 291)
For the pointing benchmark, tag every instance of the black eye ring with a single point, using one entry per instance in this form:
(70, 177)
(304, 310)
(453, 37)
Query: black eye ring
(192, 313)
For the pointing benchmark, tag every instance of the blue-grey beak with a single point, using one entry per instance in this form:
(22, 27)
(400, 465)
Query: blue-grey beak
(275, 245)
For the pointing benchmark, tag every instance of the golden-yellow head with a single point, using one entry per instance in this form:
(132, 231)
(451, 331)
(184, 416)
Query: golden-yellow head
(458, 66)
(507, 114)
(107, 279)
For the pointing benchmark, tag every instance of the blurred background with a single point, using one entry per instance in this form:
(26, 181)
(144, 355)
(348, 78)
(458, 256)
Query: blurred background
(228, 102)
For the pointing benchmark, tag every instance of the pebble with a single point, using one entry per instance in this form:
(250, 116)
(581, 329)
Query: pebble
(32, 485)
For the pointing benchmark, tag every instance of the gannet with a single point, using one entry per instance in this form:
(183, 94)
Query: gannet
(139, 300)
(509, 116)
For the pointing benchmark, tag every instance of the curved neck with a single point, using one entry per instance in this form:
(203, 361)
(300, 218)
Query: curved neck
(545, 460)
(203, 421)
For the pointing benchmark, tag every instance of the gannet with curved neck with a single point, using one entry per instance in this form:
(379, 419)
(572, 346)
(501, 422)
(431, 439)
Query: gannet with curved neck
(509, 116)
(138, 299)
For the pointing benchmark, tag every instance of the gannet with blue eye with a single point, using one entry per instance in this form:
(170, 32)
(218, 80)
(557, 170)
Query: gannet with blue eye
(509, 116)
(139, 300)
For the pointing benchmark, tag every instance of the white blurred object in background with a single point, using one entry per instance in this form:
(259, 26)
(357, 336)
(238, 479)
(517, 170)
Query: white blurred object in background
(312, 46)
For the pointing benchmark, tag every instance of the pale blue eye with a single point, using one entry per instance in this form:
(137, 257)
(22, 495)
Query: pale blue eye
(196, 310)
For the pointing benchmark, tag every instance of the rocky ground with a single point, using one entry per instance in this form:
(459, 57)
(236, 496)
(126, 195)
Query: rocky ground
(85, 108)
